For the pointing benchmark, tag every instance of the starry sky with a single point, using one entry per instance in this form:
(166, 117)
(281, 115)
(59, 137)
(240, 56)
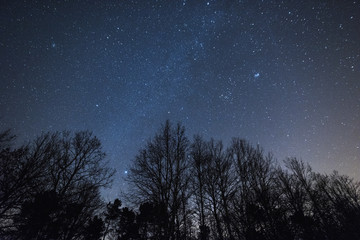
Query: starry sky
(284, 74)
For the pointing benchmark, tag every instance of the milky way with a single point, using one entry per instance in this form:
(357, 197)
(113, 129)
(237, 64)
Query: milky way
(284, 74)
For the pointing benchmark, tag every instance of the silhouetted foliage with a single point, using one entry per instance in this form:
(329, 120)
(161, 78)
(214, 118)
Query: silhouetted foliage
(41, 217)
(127, 226)
(111, 218)
(94, 229)
(153, 221)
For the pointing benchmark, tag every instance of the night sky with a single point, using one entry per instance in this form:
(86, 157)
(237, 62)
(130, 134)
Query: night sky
(284, 74)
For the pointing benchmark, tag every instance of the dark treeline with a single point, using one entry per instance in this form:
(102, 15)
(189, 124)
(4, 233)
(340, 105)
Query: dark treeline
(179, 189)
(49, 189)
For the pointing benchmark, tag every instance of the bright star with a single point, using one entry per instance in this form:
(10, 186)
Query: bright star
(256, 75)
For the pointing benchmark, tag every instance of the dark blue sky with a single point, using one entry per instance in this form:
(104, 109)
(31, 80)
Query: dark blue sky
(284, 74)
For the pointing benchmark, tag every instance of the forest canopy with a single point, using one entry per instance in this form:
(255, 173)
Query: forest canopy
(181, 188)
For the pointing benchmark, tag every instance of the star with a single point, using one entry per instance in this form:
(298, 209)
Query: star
(248, 70)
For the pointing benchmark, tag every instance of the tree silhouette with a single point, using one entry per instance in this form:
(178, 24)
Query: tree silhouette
(127, 226)
(94, 229)
(199, 156)
(152, 220)
(20, 175)
(42, 217)
(111, 218)
(160, 174)
(58, 171)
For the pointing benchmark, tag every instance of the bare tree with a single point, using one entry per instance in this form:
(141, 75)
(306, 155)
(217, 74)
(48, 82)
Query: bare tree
(199, 157)
(160, 174)
(213, 193)
(321, 206)
(19, 177)
(257, 202)
(67, 169)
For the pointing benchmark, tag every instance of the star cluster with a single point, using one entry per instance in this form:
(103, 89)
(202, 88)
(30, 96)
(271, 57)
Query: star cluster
(284, 74)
